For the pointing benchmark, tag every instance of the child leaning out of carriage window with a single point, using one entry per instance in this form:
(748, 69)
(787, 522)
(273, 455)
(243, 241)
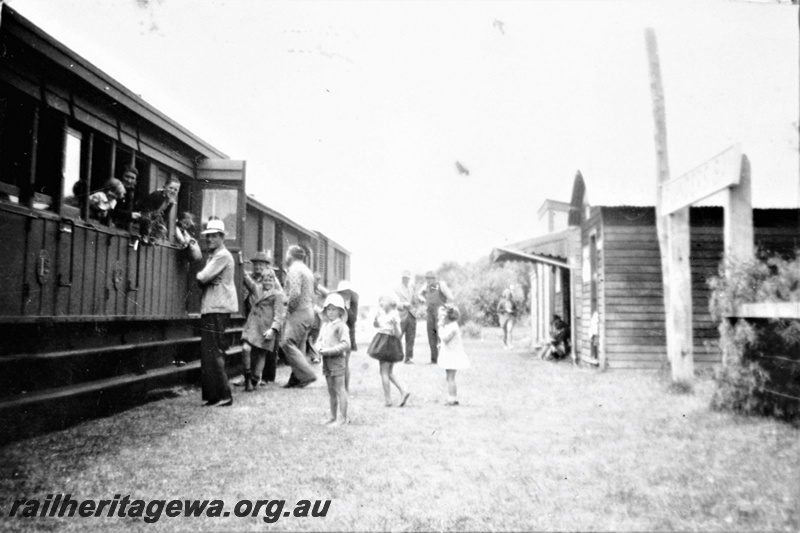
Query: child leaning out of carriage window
(102, 202)
(184, 235)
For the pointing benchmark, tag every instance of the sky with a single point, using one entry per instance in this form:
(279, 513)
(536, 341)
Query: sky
(352, 115)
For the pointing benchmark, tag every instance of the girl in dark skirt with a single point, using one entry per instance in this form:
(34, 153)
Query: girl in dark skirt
(387, 348)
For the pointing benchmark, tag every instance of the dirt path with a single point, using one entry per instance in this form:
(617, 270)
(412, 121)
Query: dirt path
(533, 446)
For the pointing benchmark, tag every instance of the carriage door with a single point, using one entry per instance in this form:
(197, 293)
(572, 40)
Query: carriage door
(220, 193)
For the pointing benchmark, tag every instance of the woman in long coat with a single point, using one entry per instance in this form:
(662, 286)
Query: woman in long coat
(264, 322)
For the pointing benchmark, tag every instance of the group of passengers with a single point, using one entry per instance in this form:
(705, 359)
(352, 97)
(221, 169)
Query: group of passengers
(277, 318)
(115, 204)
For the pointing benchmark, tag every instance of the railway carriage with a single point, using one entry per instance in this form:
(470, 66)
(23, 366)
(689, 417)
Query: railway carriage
(89, 311)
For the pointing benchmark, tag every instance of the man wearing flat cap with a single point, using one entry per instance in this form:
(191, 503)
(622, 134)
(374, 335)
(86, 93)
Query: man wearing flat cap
(218, 301)
(405, 305)
(435, 294)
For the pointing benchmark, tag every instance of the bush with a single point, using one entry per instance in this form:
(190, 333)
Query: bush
(761, 373)
(471, 330)
(478, 286)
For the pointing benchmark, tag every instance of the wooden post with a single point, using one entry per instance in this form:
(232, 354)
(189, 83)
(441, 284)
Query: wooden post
(739, 235)
(680, 344)
(673, 239)
(534, 314)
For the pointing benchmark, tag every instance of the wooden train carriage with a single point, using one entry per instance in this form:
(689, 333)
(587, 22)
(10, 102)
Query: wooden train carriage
(269, 230)
(90, 312)
(622, 280)
(88, 305)
(333, 261)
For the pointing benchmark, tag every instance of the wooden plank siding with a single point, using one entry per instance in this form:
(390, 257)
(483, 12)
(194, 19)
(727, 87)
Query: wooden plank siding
(593, 225)
(632, 319)
(574, 260)
(67, 271)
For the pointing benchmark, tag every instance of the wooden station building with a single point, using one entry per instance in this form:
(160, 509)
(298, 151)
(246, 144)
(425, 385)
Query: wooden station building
(607, 260)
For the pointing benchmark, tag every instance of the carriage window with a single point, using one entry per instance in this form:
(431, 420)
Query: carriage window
(101, 162)
(223, 204)
(50, 157)
(71, 169)
(16, 128)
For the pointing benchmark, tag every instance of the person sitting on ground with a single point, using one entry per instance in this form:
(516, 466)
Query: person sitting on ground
(155, 209)
(334, 347)
(559, 339)
(264, 321)
(103, 202)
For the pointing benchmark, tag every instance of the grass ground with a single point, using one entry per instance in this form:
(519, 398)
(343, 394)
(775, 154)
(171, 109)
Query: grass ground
(533, 446)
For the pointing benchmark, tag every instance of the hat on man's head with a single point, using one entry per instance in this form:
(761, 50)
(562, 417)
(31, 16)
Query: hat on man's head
(430, 274)
(406, 274)
(214, 225)
(344, 285)
(132, 169)
(262, 256)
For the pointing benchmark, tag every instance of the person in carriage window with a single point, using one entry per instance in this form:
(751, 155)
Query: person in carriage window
(123, 213)
(155, 209)
(103, 202)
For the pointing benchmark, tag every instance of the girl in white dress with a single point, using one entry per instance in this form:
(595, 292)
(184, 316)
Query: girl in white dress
(452, 356)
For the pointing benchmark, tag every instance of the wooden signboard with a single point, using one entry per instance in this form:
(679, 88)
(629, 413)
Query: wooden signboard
(715, 175)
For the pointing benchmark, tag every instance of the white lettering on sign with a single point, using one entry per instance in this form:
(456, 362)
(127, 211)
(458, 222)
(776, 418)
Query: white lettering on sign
(718, 173)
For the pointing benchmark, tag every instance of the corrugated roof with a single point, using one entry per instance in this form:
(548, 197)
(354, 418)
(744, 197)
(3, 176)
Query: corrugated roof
(552, 245)
(504, 254)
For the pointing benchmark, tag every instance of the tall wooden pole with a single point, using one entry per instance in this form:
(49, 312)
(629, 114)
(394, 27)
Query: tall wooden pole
(674, 240)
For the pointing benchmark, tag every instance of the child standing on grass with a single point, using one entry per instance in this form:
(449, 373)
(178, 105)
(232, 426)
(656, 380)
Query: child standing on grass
(334, 347)
(452, 356)
(387, 348)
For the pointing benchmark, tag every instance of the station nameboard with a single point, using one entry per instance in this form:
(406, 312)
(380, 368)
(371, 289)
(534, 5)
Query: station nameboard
(716, 174)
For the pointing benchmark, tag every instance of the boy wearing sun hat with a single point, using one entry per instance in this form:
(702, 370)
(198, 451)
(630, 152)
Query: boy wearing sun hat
(334, 347)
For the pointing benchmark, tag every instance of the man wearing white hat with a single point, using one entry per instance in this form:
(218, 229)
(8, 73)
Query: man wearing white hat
(219, 300)
(405, 305)
(299, 317)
